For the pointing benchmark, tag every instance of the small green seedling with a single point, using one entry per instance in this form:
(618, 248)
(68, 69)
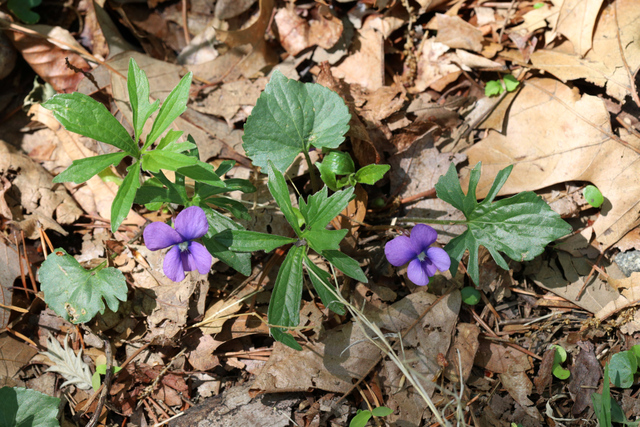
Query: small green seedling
(101, 369)
(497, 87)
(470, 295)
(593, 196)
(22, 9)
(362, 417)
(558, 359)
(538, 5)
(338, 163)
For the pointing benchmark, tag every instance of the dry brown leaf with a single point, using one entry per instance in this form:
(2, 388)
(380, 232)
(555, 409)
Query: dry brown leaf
(536, 19)
(296, 34)
(226, 9)
(519, 387)
(32, 191)
(9, 271)
(345, 353)
(456, 33)
(545, 377)
(603, 64)
(253, 33)
(216, 315)
(500, 358)
(14, 355)
(435, 66)
(47, 49)
(462, 353)
(576, 22)
(586, 372)
(365, 63)
(575, 144)
(229, 99)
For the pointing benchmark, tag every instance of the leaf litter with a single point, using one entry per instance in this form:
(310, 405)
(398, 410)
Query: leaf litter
(412, 76)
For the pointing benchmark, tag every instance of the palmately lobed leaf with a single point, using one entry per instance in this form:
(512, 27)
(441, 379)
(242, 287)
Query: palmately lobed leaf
(76, 294)
(289, 118)
(520, 226)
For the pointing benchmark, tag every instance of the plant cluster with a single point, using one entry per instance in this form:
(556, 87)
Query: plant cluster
(290, 119)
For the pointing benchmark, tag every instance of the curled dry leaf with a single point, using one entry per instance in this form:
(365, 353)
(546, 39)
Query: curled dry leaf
(47, 49)
(576, 22)
(456, 33)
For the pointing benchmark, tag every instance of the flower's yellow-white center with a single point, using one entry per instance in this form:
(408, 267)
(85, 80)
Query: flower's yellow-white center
(183, 246)
(422, 256)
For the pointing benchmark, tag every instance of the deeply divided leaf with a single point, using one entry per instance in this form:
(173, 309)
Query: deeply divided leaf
(284, 307)
(84, 115)
(125, 196)
(77, 294)
(289, 118)
(519, 226)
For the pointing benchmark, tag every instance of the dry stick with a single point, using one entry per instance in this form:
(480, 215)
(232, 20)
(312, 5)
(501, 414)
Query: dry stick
(494, 337)
(29, 270)
(632, 82)
(185, 22)
(593, 268)
(22, 276)
(353, 387)
(506, 21)
(106, 385)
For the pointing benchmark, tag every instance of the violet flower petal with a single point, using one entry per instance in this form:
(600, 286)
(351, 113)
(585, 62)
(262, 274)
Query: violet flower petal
(201, 257)
(159, 235)
(172, 265)
(422, 236)
(400, 251)
(417, 272)
(429, 267)
(440, 258)
(192, 223)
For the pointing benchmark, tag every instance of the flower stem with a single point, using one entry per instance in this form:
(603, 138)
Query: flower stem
(315, 184)
(434, 221)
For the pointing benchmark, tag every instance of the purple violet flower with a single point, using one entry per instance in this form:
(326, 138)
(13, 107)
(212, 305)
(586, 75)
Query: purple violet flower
(423, 260)
(185, 255)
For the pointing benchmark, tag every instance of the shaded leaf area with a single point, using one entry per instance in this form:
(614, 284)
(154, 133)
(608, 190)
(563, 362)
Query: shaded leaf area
(311, 134)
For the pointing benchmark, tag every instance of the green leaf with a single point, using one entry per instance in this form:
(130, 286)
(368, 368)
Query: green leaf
(593, 196)
(169, 142)
(280, 192)
(234, 184)
(241, 262)
(21, 407)
(361, 419)
(172, 107)
(155, 160)
(320, 210)
(382, 411)
(371, 174)
(225, 166)
(558, 359)
(346, 264)
(338, 162)
(493, 88)
(520, 226)
(22, 9)
(284, 307)
(289, 118)
(82, 170)
(138, 87)
(279, 334)
(510, 82)
(236, 208)
(320, 281)
(96, 380)
(176, 190)
(470, 295)
(202, 172)
(84, 115)
(124, 197)
(328, 177)
(76, 294)
(251, 241)
(323, 240)
(622, 368)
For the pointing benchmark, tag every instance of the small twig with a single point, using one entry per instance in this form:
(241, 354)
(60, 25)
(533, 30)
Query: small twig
(106, 385)
(632, 82)
(185, 22)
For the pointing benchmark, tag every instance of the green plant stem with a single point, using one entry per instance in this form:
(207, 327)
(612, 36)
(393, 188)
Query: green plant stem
(433, 221)
(315, 183)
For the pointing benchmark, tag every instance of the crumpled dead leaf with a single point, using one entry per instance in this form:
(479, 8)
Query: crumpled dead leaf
(297, 34)
(9, 271)
(14, 355)
(457, 33)
(32, 190)
(576, 22)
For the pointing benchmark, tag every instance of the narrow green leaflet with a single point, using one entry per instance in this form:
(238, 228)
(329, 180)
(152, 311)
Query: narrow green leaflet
(346, 264)
(284, 307)
(520, 226)
(84, 115)
(323, 240)
(289, 118)
(320, 210)
(371, 174)
(125, 196)
(361, 419)
(251, 241)
(22, 407)
(236, 208)
(82, 170)
(320, 281)
(218, 223)
(280, 192)
(172, 107)
(77, 294)
(155, 160)
(202, 172)
(138, 87)
(382, 411)
(169, 142)
(279, 334)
